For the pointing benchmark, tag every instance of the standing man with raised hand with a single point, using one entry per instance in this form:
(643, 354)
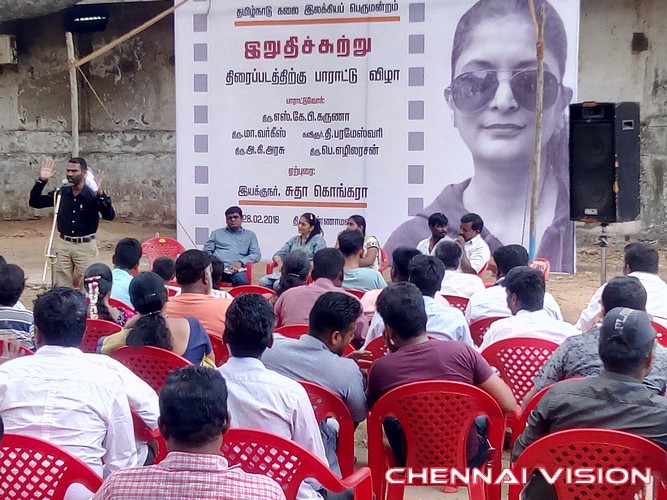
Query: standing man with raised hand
(78, 216)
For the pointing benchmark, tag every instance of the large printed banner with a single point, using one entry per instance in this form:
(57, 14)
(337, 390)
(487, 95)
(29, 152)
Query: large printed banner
(393, 110)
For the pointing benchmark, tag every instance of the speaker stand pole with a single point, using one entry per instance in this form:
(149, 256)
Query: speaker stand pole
(602, 243)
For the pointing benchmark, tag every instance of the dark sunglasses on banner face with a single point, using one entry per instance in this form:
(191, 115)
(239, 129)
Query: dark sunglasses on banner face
(472, 91)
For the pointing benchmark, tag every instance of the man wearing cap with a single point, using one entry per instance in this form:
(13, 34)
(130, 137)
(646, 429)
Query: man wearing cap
(616, 399)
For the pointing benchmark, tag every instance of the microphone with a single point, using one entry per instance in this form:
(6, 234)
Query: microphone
(65, 183)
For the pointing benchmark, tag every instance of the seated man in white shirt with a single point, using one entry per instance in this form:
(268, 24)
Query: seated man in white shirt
(640, 261)
(443, 322)
(351, 245)
(437, 224)
(258, 397)
(454, 282)
(63, 395)
(525, 298)
(476, 252)
(492, 301)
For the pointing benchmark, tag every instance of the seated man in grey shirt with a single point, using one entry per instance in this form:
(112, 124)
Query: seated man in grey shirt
(317, 358)
(235, 246)
(578, 355)
(616, 399)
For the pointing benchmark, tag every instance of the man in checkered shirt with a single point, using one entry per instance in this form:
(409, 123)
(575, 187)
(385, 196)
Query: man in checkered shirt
(193, 419)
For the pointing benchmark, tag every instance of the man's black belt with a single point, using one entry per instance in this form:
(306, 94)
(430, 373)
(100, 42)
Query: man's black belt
(78, 239)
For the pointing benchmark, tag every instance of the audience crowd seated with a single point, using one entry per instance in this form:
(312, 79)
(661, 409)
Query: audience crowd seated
(14, 323)
(184, 336)
(355, 277)
(443, 322)
(454, 282)
(98, 282)
(525, 298)
(126, 258)
(193, 421)
(437, 224)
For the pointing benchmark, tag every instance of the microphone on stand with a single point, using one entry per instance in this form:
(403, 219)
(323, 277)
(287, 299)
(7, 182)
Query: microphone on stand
(65, 183)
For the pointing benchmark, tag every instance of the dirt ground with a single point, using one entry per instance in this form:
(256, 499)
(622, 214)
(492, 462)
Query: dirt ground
(24, 243)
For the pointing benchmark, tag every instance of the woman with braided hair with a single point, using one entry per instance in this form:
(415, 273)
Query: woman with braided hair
(97, 283)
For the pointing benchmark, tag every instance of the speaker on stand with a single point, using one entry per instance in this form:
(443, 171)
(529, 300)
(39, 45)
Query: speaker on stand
(604, 166)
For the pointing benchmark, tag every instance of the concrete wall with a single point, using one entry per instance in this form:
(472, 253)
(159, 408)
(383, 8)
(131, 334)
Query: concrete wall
(136, 83)
(610, 71)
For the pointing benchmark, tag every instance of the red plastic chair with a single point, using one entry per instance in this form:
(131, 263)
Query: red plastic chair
(480, 327)
(384, 261)
(120, 304)
(483, 270)
(160, 246)
(377, 349)
(33, 468)
(96, 329)
(288, 463)
(357, 293)
(23, 350)
(220, 350)
(518, 360)
(150, 364)
(436, 417)
(261, 290)
(270, 267)
(521, 416)
(292, 331)
(542, 265)
(593, 448)
(326, 404)
(459, 302)
(248, 274)
(660, 333)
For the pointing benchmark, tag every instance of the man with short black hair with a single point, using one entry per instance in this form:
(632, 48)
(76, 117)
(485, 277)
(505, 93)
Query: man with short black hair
(193, 420)
(437, 224)
(476, 252)
(193, 274)
(641, 260)
(165, 268)
(616, 399)
(235, 246)
(13, 321)
(524, 288)
(351, 245)
(78, 216)
(126, 258)
(294, 305)
(492, 301)
(258, 397)
(454, 282)
(318, 358)
(415, 358)
(578, 355)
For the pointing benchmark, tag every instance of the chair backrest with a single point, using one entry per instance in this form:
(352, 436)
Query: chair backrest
(261, 290)
(23, 350)
(120, 304)
(292, 331)
(518, 360)
(327, 404)
(378, 349)
(521, 419)
(596, 449)
(270, 267)
(357, 293)
(480, 327)
(151, 364)
(542, 265)
(455, 301)
(220, 350)
(660, 333)
(384, 260)
(160, 246)
(435, 417)
(35, 469)
(287, 463)
(483, 270)
(95, 329)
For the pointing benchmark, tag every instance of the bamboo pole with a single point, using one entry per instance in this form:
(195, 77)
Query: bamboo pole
(74, 93)
(537, 140)
(106, 48)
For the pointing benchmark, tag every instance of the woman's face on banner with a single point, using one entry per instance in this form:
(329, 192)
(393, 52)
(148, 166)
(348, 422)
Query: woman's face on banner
(493, 92)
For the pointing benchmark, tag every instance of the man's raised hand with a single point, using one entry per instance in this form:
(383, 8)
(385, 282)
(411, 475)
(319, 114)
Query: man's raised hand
(47, 169)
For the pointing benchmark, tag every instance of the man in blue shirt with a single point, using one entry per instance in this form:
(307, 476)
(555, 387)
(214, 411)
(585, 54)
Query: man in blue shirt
(126, 258)
(235, 246)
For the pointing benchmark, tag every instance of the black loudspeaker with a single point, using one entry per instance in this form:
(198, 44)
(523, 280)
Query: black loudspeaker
(604, 162)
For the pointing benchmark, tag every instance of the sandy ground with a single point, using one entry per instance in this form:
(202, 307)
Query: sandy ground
(24, 243)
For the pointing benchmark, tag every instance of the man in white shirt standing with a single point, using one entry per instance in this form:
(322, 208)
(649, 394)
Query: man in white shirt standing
(492, 301)
(437, 224)
(454, 282)
(641, 261)
(476, 252)
(258, 397)
(62, 396)
(525, 298)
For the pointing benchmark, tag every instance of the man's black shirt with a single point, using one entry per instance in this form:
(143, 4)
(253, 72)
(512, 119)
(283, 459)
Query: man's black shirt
(78, 215)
